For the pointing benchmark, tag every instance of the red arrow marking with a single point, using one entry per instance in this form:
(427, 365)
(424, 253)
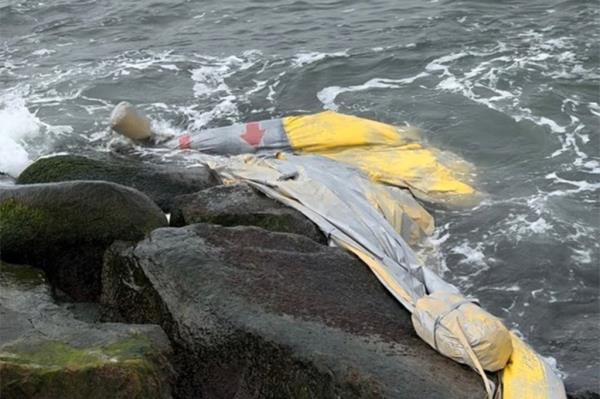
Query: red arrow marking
(185, 142)
(253, 134)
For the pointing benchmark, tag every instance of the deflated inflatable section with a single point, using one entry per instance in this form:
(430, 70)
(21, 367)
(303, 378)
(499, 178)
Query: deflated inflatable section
(340, 200)
(357, 180)
(385, 153)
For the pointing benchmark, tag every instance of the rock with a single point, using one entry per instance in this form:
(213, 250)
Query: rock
(64, 228)
(240, 205)
(160, 183)
(255, 314)
(47, 353)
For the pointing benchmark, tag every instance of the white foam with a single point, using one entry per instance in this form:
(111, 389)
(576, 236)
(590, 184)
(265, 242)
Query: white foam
(430, 250)
(472, 255)
(13, 157)
(210, 81)
(165, 128)
(226, 107)
(42, 52)
(592, 166)
(328, 95)
(210, 77)
(581, 185)
(582, 255)
(170, 67)
(302, 59)
(539, 226)
(509, 288)
(450, 84)
(16, 123)
(439, 64)
(520, 227)
(554, 127)
(594, 108)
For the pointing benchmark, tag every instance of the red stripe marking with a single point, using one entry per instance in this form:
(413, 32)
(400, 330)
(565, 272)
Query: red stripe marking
(253, 134)
(185, 142)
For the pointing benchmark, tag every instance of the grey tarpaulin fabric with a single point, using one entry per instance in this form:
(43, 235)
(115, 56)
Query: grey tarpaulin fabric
(236, 139)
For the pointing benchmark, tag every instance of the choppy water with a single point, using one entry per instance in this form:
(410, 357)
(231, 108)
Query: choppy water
(511, 87)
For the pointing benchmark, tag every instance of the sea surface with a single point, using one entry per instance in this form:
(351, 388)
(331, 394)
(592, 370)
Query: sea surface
(510, 86)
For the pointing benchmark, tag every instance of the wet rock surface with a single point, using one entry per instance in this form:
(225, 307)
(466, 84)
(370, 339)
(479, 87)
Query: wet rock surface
(240, 205)
(160, 183)
(64, 228)
(252, 313)
(47, 352)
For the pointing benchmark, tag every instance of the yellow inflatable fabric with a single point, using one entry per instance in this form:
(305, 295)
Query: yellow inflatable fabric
(402, 211)
(387, 154)
(528, 376)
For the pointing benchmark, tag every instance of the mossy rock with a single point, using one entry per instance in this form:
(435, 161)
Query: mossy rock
(45, 352)
(21, 276)
(64, 228)
(160, 183)
(54, 369)
(241, 205)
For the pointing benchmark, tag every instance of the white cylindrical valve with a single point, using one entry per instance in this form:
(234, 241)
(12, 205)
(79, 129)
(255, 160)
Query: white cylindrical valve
(126, 120)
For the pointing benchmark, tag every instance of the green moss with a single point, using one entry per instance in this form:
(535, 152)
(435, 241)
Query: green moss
(125, 369)
(56, 354)
(18, 220)
(60, 168)
(137, 346)
(21, 275)
(14, 211)
(51, 354)
(21, 224)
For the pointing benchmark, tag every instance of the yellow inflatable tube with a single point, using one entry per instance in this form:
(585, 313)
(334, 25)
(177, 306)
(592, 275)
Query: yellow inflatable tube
(387, 154)
(528, 376)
